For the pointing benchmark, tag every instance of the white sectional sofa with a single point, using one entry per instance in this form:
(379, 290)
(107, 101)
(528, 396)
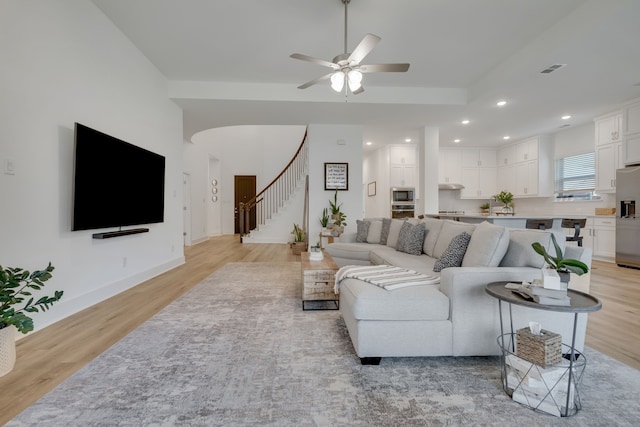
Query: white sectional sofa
(455, 317)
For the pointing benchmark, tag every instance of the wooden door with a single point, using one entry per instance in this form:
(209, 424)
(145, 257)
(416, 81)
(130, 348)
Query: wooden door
(245, 190)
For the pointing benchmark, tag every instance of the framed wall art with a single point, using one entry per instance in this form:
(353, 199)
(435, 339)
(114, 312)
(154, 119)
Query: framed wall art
(336, 176)
(371, 189)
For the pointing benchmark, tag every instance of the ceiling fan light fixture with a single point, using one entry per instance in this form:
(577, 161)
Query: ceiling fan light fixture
(337, 81)
(355, 80)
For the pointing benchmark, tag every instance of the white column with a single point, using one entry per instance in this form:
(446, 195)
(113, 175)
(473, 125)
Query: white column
(429, 147)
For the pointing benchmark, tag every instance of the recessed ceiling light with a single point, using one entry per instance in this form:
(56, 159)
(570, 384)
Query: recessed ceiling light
(465, 122)
(567, 117)
(506, 137)
(501, 103)
(369, 143)
(407, 140)
(456, 140)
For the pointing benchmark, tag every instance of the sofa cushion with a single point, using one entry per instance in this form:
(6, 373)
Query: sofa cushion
(411, 238)
(521, 254)
(453, 255)
(394, 232)
(354, 251)
(433, 227)
(363, 230)
(384, 234)
(370, 302)
(450, 229)
(375, 230)
(487, 247)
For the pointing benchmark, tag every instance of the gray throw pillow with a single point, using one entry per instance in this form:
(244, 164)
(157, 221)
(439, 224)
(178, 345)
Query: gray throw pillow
(363, 231)
(411, 238)
(386, 225)
(454, 254)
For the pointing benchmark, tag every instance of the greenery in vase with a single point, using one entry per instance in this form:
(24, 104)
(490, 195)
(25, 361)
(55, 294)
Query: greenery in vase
(337, 215)
(484, 206)
(298, 233)
(325, 218)
(16, 285)
(558, 263)
(504, 197)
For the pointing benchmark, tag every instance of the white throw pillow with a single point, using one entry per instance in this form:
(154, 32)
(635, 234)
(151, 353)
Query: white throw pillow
(394, 232)
(450, 229)
(375, 230)
(487, 247)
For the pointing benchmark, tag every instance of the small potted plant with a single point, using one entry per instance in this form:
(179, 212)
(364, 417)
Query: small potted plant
(324, 220)
(485, 208)
(16, 300)
(337, 216)
(299, 243)
(315, 252)
(505, 197)
(562, 265)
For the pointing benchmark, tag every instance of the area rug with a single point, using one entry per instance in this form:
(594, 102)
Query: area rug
(237, 350)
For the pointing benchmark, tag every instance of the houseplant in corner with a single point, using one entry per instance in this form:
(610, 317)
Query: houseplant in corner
(299, 243)
(16, 285)
(337, 216)
(562, 265)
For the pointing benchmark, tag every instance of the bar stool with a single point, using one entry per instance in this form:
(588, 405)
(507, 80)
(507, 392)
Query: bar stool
(576, 224)
(539, 224)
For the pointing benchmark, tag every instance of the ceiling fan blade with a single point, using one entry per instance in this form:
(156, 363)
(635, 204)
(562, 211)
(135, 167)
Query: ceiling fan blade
(314, 60)
(314, 81)
(384, 68)
(366, 45)
(359, 90)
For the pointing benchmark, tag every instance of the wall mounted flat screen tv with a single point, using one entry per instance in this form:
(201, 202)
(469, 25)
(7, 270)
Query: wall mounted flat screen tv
(115, 183)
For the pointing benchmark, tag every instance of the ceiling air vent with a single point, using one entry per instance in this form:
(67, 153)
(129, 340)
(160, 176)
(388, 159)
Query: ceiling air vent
(552, 68)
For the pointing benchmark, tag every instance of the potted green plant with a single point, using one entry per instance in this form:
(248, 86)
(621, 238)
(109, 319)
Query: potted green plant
(299, 243)
(324, 220)
(505, 197)
(485, 207)
(337, 216)
(562, 265)
(16, 300)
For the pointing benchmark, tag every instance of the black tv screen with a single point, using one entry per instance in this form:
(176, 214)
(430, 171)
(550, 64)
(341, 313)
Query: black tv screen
(115, 183)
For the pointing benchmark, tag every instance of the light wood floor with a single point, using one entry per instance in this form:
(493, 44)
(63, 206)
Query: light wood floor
(48, 357)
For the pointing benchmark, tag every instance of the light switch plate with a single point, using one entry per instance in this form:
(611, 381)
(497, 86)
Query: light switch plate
(8, 166)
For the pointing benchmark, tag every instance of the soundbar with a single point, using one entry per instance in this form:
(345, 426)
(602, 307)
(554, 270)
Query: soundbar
(119, 233)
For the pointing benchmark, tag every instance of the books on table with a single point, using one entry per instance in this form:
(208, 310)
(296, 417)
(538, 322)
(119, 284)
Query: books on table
(541, 295)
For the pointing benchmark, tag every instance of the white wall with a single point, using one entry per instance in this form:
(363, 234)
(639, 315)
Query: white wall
(376, 168)
(64, 62)
(334, 144)
(222, 153)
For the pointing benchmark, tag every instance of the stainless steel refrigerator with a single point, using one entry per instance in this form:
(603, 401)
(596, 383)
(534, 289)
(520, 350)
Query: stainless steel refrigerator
(627, 224)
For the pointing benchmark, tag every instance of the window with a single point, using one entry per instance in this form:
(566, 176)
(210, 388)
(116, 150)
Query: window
(576, 177)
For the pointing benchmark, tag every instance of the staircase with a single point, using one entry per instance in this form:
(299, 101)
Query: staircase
(280, 204)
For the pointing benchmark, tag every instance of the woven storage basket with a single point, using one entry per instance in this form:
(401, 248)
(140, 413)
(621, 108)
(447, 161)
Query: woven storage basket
(544, 350)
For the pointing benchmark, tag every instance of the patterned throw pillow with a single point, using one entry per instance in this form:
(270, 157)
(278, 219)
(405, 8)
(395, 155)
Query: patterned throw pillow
(386, 225)
(454, 254)
(363, 230)
(411, 238)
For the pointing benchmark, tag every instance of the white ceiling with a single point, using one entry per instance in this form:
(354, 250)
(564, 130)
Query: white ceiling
(228, 62)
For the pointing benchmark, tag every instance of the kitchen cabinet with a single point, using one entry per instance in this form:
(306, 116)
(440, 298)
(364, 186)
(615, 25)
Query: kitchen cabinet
(506, 155)
(604, 238)
(450, 166)
(632, 133)
(478, 158)
(609, 157)
(526, 178)
(608, 128)
(526, 150)
(402, 176)
(479, 183)
(402, 165)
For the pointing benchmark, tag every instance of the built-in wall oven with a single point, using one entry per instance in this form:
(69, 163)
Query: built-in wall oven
(403, 202)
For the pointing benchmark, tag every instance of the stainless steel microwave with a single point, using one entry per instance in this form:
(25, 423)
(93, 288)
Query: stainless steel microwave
(403, 195)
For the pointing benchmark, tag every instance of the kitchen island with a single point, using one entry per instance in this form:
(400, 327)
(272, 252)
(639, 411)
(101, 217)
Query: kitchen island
(511, 221)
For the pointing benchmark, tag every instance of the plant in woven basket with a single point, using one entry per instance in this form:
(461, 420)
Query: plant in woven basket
(559, 263)
(16, 298)
(298, 233)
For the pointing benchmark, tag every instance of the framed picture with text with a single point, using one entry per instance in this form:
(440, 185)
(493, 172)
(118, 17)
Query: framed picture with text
(336, 176)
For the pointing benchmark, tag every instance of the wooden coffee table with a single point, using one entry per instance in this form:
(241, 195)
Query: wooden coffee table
(318, 279)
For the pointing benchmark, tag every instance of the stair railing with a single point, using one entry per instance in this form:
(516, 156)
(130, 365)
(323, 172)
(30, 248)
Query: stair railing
(268, 201)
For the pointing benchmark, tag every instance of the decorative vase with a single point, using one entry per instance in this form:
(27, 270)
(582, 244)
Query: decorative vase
(7, 349)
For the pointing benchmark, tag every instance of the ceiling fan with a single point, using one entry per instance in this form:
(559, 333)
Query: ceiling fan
(346, 67)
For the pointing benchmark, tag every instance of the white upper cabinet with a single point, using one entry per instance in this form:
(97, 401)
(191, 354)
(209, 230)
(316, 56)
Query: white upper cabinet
(632, 133)
(402, 154)
(527, 150)
(478, 158)
(609, 157)
(525, 168)
(507, 155)
(450, 166)
(402, 165)
(609, 128)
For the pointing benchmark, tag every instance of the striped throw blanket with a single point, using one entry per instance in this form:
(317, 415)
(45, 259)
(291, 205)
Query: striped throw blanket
(385, 276)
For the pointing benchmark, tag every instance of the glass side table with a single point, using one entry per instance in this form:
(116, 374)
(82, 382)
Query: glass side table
(550, 379)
